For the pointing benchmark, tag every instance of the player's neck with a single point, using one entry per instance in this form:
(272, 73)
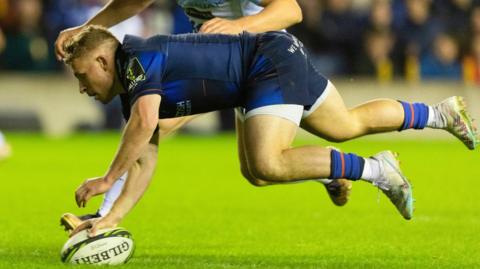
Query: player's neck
(117, 85)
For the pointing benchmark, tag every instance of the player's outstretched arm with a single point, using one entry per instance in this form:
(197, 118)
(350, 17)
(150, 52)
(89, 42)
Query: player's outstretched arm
(138, 131)
(277, 15)
(139, 177)
(114, 12)
(136, 136)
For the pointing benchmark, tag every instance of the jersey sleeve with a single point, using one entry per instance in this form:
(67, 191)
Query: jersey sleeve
(144, 75)
(256, 2)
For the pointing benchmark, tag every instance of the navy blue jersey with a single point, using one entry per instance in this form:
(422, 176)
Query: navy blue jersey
(192, 73)
(195, 73)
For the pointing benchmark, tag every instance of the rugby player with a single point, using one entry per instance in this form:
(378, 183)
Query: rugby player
(222, 17)
(271, 81)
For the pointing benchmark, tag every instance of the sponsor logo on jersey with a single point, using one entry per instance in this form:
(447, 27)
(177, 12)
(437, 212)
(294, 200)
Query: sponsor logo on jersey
(135, 73)
(184, 108)
(296, 45)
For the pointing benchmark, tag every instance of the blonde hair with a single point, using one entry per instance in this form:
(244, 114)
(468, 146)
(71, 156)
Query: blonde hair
(86, 40)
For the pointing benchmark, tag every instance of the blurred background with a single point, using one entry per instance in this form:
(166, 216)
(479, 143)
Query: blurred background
(412, 49)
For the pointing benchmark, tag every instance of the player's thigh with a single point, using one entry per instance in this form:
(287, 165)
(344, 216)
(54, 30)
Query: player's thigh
(266, 137)
(330, 118)
(239, 128)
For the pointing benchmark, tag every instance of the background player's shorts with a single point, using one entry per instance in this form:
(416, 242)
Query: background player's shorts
(282, 81)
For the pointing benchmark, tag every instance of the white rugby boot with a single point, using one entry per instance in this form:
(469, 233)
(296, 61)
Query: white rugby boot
(394, 184)
(457, 121)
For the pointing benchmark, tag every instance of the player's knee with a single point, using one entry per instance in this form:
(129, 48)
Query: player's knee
(267, 170)
(250, 178)
(247, 175)
(258, 182)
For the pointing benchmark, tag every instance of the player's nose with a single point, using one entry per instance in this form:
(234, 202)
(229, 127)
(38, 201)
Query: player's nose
(82, 89)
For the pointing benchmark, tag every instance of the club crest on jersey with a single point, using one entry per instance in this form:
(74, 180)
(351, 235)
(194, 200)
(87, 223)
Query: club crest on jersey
(135, 73)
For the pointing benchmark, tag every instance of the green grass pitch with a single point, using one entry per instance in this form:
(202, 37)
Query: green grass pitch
(200, 213)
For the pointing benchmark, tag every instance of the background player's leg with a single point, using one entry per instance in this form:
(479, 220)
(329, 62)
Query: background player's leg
(111, 195)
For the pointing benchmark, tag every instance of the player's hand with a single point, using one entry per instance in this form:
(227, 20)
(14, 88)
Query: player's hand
(93, 225)
(221, 26)
(90, 188)
(62, 38)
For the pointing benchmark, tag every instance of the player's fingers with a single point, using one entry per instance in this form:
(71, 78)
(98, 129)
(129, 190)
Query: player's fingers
(214, 28)
(204, 26)
(210, 22)
(59, 52)
(223, 29)
(208, 26)
(87, 197)
(204, 29)
(92, 232)
(84, 225)
(95, 227)
(63, 37)
(78, 196)
(81, 197)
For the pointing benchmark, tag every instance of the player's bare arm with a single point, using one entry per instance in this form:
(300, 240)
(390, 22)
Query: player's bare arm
(114, 12)
(269, 19)
(137, 133)
(139, 177)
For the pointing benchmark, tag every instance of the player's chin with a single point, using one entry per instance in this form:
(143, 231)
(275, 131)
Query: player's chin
(104, 100)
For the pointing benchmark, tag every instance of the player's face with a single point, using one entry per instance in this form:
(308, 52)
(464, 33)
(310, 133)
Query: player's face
(94, 77)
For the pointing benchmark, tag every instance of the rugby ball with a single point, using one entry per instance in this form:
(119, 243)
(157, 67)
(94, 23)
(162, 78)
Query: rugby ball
(110, 246)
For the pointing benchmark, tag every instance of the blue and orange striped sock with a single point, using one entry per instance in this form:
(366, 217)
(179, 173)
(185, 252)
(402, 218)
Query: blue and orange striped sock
(346, 165)
(416, 115)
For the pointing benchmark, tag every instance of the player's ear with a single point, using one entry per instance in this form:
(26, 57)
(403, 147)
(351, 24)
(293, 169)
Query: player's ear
(102, 61)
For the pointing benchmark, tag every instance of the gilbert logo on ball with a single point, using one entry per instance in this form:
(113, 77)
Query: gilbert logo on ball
(109, 246)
